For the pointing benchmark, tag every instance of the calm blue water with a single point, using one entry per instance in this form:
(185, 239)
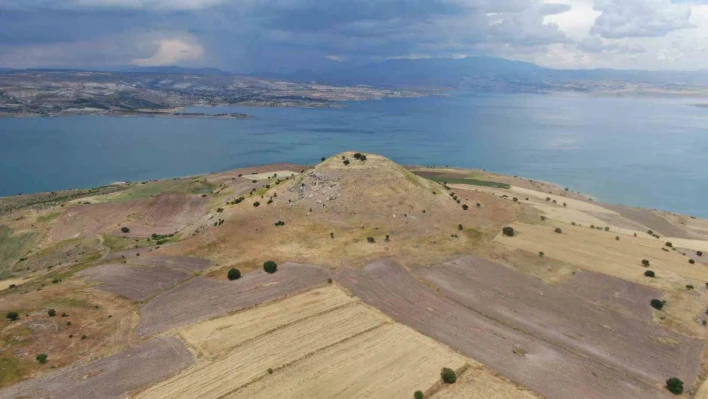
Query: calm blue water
(645, 152)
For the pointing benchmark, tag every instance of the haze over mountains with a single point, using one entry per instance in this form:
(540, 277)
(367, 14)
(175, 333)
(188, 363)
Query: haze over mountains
(461, 73)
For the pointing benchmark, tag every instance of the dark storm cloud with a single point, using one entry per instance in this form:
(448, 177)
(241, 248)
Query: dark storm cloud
(249, 35)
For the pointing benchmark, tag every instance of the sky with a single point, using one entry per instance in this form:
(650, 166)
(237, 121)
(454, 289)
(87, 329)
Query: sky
(289, 35)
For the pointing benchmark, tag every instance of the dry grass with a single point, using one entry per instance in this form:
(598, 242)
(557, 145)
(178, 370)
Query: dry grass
(479, 382)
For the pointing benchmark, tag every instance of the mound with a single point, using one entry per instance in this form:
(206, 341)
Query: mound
(346, 211)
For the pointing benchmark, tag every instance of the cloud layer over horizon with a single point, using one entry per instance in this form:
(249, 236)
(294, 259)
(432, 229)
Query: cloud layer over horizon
(288, 35)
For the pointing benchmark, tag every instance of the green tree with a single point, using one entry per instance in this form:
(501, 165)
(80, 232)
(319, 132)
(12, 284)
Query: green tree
(270, 267)
(418, 395)
(558, 230)
(448, 375)
(645, 262)
(656, 304)
(12, 316)
(649, 273)
(41, 358)
(234, 274)
(674, 385)
(51, 312)
(508, 231)
(125, 229)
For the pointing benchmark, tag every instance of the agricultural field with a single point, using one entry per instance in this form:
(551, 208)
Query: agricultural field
(112, 377)
(137, 283)
(202, 298)
(384, 276)
(519, 356)
(318, 344)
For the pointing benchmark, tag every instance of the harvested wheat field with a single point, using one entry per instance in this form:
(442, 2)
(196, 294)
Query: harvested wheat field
(391, 361)
(478, 382)
(215, 336)
(598, 251)
(557, 316)
(202, 298)
(134, 282)
(249, 360)
(521, 357)
(112, 377)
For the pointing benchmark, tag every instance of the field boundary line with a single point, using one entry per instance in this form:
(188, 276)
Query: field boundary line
(305, 356)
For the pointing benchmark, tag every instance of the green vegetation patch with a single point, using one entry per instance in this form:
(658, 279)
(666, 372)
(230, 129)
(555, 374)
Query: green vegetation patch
(151, 189)
(10, 370)
(12, 247)
(473, 182)
(49, 217)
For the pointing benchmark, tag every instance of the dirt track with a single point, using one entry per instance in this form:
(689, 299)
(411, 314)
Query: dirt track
(112, 377)
(202, 298)
(134, 282)
(621, 342)
(519, 356)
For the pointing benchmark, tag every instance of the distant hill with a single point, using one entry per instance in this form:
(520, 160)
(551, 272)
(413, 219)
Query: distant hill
(485, 71)
(173, 70)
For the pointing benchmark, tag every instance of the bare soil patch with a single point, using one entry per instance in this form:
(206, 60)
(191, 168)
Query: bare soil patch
(621, 342)
(187, 263)
(112, 377)
(203, 298)
(622, 296)
(519, 356)
(655, 222)
(134, 282)
(163, 214)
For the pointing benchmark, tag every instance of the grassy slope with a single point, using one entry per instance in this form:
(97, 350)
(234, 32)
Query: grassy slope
(12, 246)
(474, 182)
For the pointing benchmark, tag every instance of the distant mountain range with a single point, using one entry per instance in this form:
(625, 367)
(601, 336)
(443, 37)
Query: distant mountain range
(471, 72)
(458, 73)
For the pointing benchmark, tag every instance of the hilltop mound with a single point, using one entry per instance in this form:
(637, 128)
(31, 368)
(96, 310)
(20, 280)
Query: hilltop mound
(346, 210)
(375, 185)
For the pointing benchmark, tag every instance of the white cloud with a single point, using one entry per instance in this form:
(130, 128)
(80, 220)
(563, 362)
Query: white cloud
(639, 18)
(172, 51)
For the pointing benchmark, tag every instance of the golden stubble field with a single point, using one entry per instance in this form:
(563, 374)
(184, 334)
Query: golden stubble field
(319, 344)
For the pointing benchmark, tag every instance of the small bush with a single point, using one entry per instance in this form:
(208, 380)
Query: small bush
(650, 232)
(270, 371)
(515, 199)
(346, 162)
(617, 238)
(388, 238)
(541, 254)
(125, 230)
(280, 223)
(51, 312)
(657, 304)
(370, 240)
(363, 158)
(41, 358)
(689, 287)
(448, 375)
(84, 337)
(12, 316)
(674, 385)
(543, 218)
(649, 273)
(645, 262)
(691, 261)
(322, 159)
(465, 207)
(479, 205)
(558, 230)
(508, 231)
(669, 244)
(699, 253)
(329, 281)
(607, 228)
(459, 227)
(357, 155)
(256, 204)
(270, 267)
(234, 274)
(418, 395)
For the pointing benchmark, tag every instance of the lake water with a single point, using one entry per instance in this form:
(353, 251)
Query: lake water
(636, 151)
